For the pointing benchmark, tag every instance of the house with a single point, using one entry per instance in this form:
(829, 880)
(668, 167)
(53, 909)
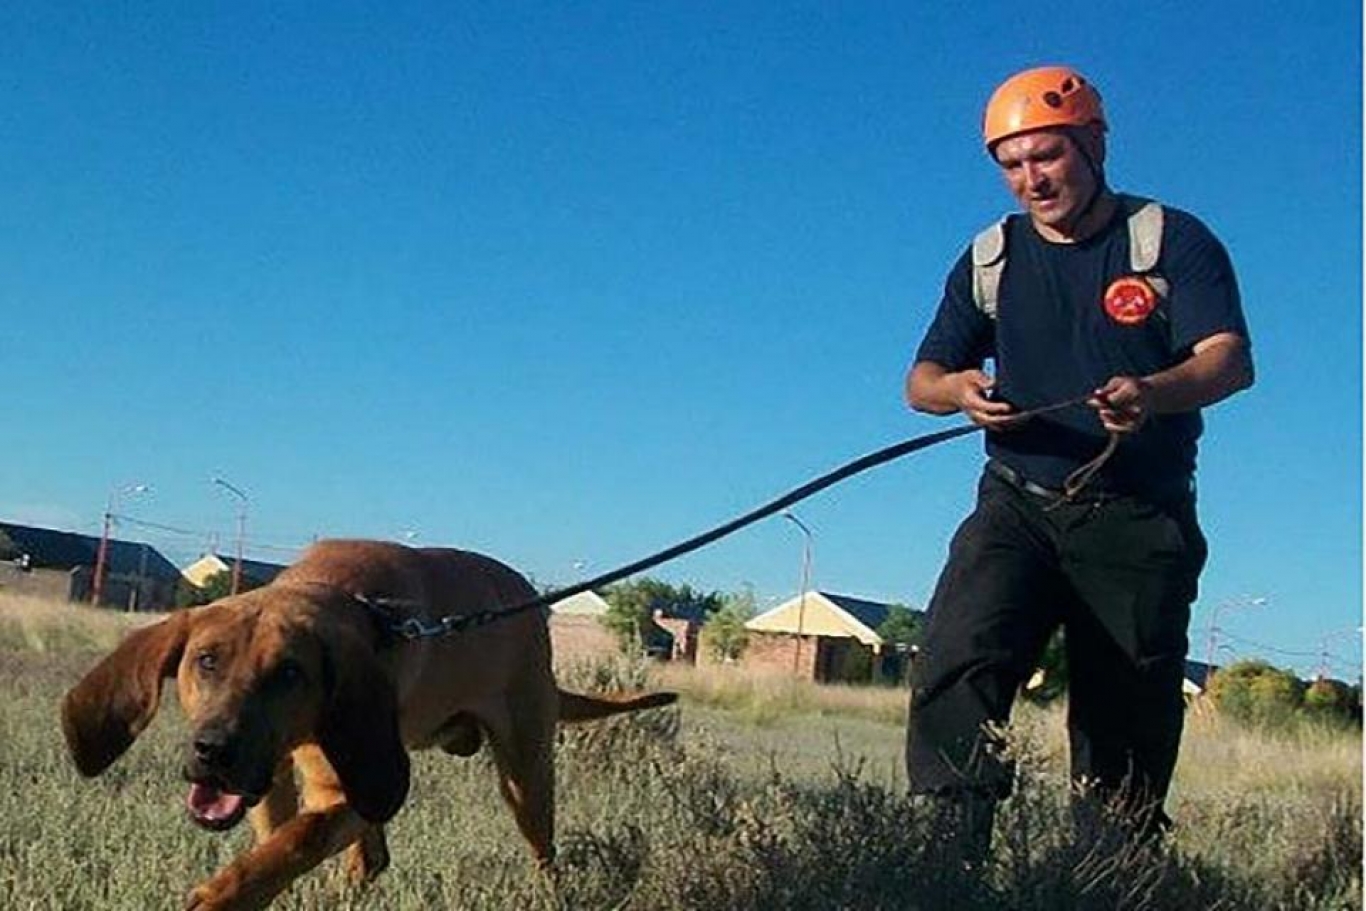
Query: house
(825, 637)
(576, 629)
(681, 626)
(255, 573)
(1196, 678)
(60, 565)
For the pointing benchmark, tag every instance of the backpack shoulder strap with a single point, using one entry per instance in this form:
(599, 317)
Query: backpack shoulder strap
(1145, 241)
(988, 262)
(1145, 222)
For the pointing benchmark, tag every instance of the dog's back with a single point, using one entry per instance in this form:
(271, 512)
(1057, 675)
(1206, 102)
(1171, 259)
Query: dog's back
(471, 672)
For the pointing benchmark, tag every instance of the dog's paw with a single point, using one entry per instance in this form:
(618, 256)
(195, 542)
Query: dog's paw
(222, 893)
(201, 899)
(367, 857)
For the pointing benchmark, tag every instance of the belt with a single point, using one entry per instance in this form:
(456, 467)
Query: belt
(1168, 491)
(1020, 482)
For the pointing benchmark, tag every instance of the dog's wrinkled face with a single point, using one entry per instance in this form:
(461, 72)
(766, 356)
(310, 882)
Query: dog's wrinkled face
(252, 683)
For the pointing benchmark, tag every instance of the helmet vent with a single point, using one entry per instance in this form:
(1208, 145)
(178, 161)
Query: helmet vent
(1052, 99)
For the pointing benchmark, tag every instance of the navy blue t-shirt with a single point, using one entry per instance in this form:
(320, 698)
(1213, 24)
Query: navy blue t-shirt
(1053, 340)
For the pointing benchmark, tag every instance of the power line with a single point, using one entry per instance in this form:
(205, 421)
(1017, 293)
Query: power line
(143, 523)
(1290, 653)
(208, 533)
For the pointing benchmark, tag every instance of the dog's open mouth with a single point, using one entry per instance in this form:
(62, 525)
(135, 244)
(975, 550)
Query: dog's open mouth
(214, 808)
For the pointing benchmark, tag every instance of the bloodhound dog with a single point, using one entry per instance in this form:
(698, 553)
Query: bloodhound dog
(303, 703)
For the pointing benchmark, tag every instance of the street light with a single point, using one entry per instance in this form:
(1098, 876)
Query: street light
(241, 529)
(804, 585)
(102, 556)
(1213, 630)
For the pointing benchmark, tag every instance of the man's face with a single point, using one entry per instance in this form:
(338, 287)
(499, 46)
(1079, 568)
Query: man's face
(1049, 175)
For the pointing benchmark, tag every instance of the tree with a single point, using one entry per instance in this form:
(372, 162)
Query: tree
(1332, 701)
(1256, 693)
(219, 585)
(903, 626)
(725, 634)
(632, 606)
(901, 632)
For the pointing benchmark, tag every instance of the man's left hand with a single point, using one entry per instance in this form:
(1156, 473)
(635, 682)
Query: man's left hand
(1123, 403)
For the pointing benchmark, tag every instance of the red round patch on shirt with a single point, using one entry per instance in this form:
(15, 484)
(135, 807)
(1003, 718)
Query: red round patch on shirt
(1130, 300)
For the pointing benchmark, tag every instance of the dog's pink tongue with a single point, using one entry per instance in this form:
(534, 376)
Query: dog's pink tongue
(212, 805)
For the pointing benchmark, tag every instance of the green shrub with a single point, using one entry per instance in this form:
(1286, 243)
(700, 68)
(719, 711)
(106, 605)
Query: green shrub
(724, 635)
(1332, 702)
(1255, 693)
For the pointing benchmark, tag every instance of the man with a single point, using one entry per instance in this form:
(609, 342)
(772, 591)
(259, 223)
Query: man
(1085, 517)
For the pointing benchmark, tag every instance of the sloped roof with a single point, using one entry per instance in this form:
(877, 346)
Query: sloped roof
(48, 548)
(692, 613)
(582, 604)
(134, 558)
(825, 614)
(871, 614)
(257, 571)
(1197, 674)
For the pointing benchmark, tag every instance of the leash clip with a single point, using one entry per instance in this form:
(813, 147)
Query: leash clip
(413, 628)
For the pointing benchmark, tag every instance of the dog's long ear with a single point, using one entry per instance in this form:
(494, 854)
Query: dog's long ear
(104, 713)
(359, 730)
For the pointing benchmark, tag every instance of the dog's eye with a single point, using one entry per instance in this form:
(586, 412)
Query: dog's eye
(207, 662)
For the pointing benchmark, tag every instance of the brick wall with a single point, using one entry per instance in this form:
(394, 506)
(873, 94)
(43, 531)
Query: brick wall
(774, 653)
(576, 637)
(824, 659)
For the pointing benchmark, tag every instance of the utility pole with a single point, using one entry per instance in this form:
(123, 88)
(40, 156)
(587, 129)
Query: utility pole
(1213, 629)
(803, 585)
(242, 502)
(1325, 657)
(102, 554)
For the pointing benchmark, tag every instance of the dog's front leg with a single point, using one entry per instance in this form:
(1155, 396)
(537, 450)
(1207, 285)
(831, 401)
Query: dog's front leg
(254, 879)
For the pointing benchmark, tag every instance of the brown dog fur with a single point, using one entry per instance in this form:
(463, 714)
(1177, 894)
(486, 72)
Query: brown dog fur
(302, 707)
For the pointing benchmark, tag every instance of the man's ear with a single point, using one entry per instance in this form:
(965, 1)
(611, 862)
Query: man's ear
(1091, 138)
(359, 731)
(106, 711)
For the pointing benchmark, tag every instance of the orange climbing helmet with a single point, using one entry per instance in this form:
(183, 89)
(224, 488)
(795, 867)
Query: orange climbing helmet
(1047, 96)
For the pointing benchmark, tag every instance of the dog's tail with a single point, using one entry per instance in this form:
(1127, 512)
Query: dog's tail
(578, 707)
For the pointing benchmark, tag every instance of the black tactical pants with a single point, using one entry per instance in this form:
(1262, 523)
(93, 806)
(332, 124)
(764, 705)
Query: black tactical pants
(1119, 575)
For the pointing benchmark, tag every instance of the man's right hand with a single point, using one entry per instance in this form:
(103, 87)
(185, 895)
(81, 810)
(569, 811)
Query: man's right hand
(931, 388)
(972, 389)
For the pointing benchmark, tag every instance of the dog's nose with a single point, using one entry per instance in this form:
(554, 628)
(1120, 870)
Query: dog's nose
(212, 747)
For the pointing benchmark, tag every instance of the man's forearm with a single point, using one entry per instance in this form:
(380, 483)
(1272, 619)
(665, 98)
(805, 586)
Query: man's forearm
(1220, 366)
(930, 388)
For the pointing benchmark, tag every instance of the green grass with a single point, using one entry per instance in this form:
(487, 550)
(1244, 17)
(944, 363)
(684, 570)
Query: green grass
(694, 808)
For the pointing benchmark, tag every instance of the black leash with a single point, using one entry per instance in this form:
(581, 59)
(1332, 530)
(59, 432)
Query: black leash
(415, 628)
(408, 627)
(872, 460)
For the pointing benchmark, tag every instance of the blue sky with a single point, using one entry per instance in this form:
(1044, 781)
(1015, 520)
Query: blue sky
(567, 283)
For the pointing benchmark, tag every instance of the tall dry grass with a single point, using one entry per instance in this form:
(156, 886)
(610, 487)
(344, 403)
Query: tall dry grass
(40, 625)
(691, 809)
(763, 698)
